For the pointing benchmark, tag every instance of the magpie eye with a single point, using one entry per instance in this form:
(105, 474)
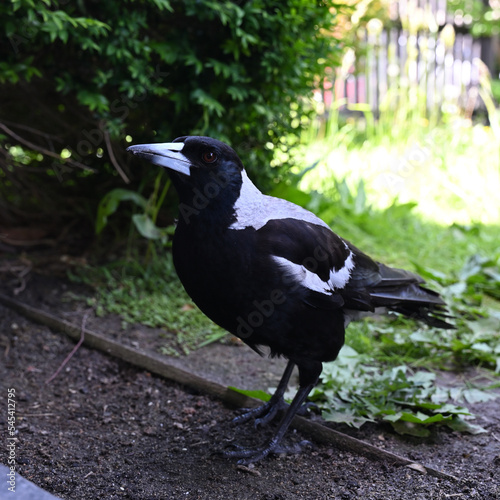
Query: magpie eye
(209, 157)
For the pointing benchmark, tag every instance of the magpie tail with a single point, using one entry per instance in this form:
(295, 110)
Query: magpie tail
(414, 301)
(375, 285)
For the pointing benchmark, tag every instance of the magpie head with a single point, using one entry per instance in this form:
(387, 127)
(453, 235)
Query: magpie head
(198, 165)
(192, 157)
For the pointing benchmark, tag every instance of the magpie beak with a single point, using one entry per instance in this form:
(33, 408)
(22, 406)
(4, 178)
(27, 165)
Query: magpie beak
(167, 155)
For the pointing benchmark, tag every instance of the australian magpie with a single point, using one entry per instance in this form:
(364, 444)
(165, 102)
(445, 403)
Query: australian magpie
(271, 272)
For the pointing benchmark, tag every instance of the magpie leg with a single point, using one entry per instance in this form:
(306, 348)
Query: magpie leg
(266, 412)
(248, 456)
(308, 378)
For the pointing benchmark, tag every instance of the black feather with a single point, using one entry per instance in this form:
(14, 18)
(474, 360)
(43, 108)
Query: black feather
(374, 285)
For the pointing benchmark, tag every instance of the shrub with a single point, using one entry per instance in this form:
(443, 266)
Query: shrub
(81, 80)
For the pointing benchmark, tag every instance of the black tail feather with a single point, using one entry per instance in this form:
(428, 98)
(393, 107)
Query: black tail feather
(376, 285)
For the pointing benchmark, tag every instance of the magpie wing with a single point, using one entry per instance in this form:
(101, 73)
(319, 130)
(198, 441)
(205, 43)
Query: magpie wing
(308, 253)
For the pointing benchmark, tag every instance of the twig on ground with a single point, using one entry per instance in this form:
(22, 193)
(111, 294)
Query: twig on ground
(20, 271)
(22, 277)
(71, 354)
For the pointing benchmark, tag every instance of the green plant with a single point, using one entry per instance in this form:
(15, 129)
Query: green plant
(354, 391)
(481, 17)
(391, 368)
(397, 156)
(144, 222)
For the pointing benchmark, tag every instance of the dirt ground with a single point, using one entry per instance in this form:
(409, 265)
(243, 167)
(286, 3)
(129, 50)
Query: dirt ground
(103, 429)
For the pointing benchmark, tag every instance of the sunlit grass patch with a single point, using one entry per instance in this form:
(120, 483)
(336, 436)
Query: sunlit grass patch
(452, 171)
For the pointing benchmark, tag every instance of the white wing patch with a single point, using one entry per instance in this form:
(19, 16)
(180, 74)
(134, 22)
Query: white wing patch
(337, 280)
(254, 209)
(303, 276)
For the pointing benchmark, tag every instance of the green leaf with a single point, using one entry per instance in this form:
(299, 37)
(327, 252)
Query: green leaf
(205, 100)
(146, 227)
(408, 428)
(461, 425)
(345, 418)
(394, 417)
(93, 100)
(163, 4)
(473, 396)
(109, 203)
(422, 418)
(237, 93)
(263, 396)
(430, 274)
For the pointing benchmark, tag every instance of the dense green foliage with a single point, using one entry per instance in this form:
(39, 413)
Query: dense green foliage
(81, 80)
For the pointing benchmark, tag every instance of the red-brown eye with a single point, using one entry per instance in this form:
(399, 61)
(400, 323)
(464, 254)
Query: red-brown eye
(209, 157)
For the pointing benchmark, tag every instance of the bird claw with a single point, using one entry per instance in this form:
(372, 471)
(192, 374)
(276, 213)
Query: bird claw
(306, 408)
(265, 413)
(248, 455)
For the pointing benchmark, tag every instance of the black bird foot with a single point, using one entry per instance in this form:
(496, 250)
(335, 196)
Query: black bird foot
(249, 456)
(265, 413)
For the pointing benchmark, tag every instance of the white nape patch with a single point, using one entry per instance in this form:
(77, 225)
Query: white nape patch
(338, 279)
(254, 209)
(303, 276)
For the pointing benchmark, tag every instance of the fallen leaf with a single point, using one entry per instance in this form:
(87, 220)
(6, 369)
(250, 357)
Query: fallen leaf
(418, 467)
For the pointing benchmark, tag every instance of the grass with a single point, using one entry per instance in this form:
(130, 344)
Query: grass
(451, 170)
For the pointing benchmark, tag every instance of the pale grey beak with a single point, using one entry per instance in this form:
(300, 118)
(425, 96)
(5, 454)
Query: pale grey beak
(167, 155)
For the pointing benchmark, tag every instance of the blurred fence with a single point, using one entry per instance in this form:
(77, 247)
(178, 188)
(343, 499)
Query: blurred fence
(428, 50)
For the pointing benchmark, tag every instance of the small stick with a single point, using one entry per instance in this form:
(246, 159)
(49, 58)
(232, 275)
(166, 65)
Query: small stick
(119, 169)
(71, 354)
